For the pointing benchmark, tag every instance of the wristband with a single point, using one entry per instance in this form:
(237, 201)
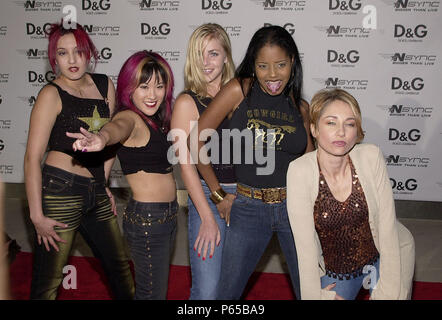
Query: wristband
(218, 196)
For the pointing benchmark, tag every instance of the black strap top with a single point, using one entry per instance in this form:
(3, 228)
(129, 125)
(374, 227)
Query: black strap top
(225, 172)
(90, 114)
(258, 113)
(150, 158)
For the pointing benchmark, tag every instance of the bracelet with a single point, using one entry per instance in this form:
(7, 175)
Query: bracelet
(218, 196)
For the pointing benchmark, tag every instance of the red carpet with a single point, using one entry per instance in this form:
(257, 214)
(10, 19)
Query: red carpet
(91, 283)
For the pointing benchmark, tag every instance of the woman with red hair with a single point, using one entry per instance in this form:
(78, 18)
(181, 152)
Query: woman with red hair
(69, 193)
(144, 99)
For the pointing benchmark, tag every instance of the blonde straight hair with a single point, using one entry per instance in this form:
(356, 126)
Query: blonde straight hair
(194, 79)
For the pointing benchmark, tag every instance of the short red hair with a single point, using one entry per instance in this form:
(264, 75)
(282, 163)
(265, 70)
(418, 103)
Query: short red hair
(84, 42)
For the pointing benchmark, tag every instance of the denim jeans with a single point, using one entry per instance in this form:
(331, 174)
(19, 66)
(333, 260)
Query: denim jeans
(205, 274)
(349, 289)
(82, 204)
(252, 224)
(150, 229)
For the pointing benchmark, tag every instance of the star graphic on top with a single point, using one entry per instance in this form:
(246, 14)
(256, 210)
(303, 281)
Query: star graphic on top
(95, 122)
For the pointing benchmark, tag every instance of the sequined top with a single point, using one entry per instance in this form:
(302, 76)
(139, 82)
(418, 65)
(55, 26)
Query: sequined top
(343, 230)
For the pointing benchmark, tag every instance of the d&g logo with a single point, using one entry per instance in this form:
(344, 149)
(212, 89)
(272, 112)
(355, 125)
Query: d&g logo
(216, 4)
(408, 185)
(351, 56)
(344, 6)
(405, 138)
(95, 5)
(38, 78)
(416, 85)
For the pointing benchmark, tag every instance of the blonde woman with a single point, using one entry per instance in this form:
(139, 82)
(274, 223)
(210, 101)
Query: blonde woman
(208, 67)
(342, 215)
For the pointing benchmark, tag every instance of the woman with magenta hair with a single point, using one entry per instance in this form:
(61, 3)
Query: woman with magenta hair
(69, 193)
(144, 98)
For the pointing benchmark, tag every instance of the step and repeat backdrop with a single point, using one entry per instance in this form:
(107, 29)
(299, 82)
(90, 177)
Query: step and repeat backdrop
(387, 53)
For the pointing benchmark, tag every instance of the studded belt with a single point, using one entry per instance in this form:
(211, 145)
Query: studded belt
(267, 195)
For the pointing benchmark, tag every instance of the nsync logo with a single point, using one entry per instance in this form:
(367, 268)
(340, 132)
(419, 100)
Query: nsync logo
(398, 161)
(351, 56)
(290, 27)
(32, 29)
(43, 4)
(403, 136)
(216, 4)
(169, 55)
(95, 5)
(157, 3)
(347, 31)
(31, 101)
(420, 31)
(408, 185)
(90, 28)
(346, 5)
(161, 30)
(33, 53)
(40, 78)
(413, 111)
(407, 4)
(284, 5)
(346, 84)
(415, 84)
(421, 59)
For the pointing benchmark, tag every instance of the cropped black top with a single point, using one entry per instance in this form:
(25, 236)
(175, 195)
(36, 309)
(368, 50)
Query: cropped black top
(270, 134)
(225, 172)
(150, 158)
(90, 114)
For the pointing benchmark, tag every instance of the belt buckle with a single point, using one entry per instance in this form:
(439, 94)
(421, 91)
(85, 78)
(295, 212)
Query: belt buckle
(271, 195)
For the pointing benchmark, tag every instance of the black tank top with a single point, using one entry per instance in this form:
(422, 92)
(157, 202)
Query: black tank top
(150, 158)
(256, 114)
(90, 114)
(225, 172)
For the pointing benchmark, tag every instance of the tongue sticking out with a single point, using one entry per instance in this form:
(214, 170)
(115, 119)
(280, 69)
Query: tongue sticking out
(273, 86)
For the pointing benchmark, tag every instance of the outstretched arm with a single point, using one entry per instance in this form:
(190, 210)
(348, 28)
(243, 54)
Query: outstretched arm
(117, 130)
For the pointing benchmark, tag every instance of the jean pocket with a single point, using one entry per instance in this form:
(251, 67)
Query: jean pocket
(54, 184)
(241, 200)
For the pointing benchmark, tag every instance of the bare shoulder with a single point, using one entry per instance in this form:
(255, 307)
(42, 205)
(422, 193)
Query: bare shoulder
(48, 100)
(48, 92)
(234, 86)
(184, 100)
(230, 95)
(127, 115)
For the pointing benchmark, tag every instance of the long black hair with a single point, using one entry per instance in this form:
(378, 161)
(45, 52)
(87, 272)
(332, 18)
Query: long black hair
(273, 35)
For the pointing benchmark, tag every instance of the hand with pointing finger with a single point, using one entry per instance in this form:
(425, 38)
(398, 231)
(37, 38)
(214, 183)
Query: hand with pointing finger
(87, 141)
